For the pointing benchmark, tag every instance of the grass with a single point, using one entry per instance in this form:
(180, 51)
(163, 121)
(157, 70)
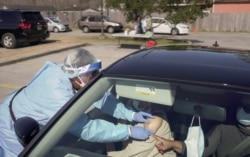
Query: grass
(112, 40)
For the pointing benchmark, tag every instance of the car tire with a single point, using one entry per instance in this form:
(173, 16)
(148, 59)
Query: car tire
(85, 29)
(110, 29)
(9, 41)
(174, 31)
(55, 29)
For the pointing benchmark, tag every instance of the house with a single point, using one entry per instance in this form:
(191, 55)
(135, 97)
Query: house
(231, 6)
(29, 7)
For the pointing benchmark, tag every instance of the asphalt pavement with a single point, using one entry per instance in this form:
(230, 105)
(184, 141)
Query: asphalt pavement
(63, 41)
(223, 39)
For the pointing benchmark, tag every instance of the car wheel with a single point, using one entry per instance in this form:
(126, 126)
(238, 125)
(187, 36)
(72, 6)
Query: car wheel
(9, 41)
(85, 29)
(174, 31)
(111, 29)
(55, 29)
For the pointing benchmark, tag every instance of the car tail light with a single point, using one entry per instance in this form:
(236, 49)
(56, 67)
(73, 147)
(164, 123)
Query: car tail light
(25, 25)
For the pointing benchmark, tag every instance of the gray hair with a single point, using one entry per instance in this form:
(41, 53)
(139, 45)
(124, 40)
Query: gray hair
(76, 59)
(79, 58)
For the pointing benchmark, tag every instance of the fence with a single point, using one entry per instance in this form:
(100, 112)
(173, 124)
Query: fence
(224, 22)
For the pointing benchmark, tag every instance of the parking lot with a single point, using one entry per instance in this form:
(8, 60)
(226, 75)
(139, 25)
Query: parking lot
(65, 40)
(18, 72)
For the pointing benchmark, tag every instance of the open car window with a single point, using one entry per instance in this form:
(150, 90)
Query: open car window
(178, 101)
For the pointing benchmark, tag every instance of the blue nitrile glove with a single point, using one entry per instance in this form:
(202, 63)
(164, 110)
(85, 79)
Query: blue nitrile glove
(141, 117)
(139, 133)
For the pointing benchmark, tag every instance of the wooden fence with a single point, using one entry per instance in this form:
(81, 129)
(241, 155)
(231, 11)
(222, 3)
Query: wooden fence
(224, 22)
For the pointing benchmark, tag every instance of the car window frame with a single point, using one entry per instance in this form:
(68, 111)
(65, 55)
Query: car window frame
(62, 125)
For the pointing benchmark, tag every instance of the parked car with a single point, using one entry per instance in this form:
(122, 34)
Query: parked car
(184, 81)
(161, 25)
(22, 26)
(94, 23)
(55, 25)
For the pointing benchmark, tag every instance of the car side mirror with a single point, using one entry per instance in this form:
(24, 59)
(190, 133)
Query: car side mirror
(26, 128)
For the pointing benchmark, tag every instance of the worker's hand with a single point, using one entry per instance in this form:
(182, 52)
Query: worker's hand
(141, 117)
(140, 133)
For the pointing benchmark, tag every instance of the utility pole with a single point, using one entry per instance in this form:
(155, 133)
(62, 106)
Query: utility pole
(102, 31)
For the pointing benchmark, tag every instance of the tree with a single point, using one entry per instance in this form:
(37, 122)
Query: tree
(132, 9)
(176, 10)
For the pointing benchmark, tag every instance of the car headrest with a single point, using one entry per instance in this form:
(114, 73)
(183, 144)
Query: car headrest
(206, 106)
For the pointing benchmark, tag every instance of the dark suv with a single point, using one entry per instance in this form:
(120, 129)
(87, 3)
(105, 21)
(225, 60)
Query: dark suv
(22, 26)
(94, 23)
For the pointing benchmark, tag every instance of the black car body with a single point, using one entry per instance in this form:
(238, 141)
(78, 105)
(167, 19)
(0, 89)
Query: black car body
(22, 26)
(184, 81)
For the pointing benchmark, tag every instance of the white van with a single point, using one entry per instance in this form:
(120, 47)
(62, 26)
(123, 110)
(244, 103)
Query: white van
(55, 25)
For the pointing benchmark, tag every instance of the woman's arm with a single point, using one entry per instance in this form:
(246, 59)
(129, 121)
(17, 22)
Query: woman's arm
(154, 123)
(164, 145)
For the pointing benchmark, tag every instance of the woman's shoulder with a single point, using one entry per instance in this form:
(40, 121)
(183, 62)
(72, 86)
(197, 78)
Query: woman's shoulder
(154, 123)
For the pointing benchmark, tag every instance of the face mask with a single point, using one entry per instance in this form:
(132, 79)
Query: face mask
(82, 84)
(243, 117)
(195, 140)
(136, 105)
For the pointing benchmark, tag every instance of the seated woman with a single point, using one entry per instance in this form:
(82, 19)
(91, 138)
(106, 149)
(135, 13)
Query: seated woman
(147, 148)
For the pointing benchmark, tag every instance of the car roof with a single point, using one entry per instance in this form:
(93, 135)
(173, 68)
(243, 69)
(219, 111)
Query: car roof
(157, 17)
(199, 65)
(18, 10)
(49, 18)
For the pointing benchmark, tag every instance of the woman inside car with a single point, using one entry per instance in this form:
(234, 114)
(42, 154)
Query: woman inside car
(158, 124)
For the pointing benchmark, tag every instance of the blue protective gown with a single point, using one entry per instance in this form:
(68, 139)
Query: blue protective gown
(47, 92)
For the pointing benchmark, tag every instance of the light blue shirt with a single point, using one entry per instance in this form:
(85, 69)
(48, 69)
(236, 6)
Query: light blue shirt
(47, 92)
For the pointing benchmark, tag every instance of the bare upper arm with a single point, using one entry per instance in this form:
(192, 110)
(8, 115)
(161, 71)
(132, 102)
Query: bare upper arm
(154, 123)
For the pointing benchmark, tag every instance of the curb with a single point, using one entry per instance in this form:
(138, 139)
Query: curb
(41, 54)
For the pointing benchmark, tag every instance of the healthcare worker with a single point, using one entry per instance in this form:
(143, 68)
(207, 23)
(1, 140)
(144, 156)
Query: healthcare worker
(50, 89)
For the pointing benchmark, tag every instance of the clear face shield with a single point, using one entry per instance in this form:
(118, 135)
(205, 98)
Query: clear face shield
(243, 117)
(82, 72)
(243, 112)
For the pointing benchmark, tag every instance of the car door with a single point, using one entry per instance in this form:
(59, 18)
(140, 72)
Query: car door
(98, 23)
(161, 26)
(95, 23)
(50, 26)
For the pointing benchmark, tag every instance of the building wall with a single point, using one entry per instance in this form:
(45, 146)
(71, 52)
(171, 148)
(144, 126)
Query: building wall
(231, 8)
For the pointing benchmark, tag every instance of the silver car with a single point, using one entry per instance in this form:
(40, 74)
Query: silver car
(94, 23)
(55, 25)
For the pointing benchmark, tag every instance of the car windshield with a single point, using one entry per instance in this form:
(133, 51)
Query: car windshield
(173, 103)
(106, 18)
(31, 16)
(55, 20)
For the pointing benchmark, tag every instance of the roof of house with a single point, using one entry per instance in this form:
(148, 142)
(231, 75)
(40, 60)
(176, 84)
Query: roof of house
(79, 9)
(232, 1)
(29, 7)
